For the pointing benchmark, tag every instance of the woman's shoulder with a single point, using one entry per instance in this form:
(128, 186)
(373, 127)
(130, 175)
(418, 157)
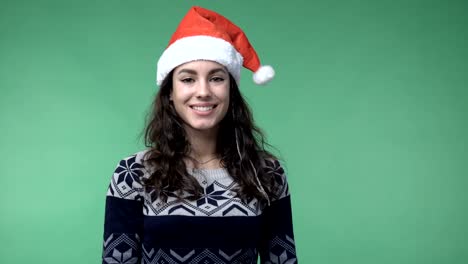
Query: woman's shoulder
(133, 162)
(126, 181)
(273, 166)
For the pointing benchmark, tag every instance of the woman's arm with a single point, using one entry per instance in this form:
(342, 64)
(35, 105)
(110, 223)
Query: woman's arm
(278, 237)
(123, 223)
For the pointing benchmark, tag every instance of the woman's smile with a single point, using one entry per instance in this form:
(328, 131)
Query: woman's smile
(200, 94)
(203, 109)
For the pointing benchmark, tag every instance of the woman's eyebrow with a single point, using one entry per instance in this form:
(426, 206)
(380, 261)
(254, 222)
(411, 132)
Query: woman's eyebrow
(217, 70)
(190, 71)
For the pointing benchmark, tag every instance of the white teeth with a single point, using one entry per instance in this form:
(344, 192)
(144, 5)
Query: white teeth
(202, 108)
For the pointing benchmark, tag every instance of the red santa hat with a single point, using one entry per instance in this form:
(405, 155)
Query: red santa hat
(206, 35)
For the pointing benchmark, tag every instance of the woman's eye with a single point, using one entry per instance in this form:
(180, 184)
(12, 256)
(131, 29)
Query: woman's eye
(217, 79)
(187, 80)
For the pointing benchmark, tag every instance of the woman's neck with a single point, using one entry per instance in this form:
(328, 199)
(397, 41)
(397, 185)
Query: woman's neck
(203, 148)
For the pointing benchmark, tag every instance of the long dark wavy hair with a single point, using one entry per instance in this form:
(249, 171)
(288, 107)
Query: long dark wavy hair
(167, 146)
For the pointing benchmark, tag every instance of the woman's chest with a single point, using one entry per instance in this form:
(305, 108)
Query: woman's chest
(217, 200)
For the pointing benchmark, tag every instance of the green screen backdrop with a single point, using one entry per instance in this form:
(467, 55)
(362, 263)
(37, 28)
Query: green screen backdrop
(369, 111)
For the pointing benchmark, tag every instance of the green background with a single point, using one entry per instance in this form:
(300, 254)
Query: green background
(368, 110)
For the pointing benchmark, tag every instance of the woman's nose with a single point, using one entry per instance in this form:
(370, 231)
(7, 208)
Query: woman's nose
(204, 89)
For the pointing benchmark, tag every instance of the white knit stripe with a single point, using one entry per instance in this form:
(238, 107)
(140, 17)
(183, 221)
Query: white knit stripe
(199, 48)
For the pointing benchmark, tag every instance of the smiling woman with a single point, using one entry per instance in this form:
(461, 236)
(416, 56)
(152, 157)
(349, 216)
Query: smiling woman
(205, 190)
(200, 95)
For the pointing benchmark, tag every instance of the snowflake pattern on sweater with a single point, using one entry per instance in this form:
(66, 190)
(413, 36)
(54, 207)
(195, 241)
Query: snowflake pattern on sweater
(217, 228)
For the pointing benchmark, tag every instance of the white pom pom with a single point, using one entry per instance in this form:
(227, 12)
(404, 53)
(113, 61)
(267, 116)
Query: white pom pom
(264, 74)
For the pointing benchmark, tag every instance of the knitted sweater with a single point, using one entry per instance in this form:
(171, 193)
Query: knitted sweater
(217, 228)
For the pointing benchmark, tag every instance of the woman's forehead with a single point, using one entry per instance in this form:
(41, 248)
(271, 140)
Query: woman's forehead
(200, 66)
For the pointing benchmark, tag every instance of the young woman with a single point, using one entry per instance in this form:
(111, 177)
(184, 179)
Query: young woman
(205, 190)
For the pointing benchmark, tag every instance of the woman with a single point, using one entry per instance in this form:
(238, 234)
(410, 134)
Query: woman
(205, 190)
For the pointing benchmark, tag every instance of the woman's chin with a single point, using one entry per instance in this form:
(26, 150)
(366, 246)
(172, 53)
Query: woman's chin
(203, 127)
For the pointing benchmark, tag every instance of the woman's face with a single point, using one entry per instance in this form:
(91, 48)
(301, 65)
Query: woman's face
(200, 94)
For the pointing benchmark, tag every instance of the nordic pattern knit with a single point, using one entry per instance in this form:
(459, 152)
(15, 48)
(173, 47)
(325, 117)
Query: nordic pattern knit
(217, 228)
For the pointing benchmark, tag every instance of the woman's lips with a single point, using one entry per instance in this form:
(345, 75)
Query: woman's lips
(203, 109)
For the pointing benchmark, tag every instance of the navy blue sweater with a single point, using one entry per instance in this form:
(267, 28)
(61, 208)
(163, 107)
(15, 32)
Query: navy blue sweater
(217, 228)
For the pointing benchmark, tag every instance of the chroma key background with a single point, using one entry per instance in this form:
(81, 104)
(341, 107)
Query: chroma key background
(369, 111)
